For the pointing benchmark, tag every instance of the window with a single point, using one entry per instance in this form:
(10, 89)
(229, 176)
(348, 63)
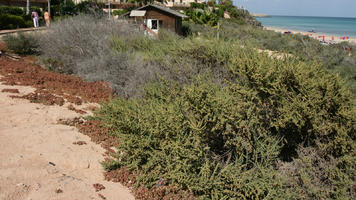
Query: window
(154, 24)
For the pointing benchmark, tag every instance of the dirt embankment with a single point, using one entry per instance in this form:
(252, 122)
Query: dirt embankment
(40, 158)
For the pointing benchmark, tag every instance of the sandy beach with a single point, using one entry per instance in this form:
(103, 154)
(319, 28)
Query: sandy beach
(319, 36)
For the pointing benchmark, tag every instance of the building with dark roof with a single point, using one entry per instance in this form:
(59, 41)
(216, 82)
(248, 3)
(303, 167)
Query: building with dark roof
(155, 17)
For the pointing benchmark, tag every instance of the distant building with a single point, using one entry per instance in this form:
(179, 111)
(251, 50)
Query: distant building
(181, 3)
(154, 17)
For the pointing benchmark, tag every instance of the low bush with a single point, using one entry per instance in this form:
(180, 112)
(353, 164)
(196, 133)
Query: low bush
(11, 22)
(223, 141)
(333, 57)
(90, 7)
(22, 43)
(221, 135)
(119, 12)
(10, 10)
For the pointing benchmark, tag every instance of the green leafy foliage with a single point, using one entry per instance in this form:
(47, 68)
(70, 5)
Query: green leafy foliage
(119, 12)
(209, 14)
(11, 10)
(222, 135)
(11, 22)
(334, 57)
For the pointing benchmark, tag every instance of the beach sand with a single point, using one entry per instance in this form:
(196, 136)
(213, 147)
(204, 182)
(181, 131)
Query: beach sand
(38, 159)
(328, 37)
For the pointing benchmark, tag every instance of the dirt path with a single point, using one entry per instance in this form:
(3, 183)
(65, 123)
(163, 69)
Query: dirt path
(38, 159)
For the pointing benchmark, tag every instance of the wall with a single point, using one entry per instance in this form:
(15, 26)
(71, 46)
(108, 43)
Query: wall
(169, 22)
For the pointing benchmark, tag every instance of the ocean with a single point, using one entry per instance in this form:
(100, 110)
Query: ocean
(328, 25)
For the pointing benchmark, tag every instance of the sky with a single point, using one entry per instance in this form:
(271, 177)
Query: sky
(324, 8)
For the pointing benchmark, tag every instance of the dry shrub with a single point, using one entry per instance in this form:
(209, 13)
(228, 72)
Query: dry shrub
(81, 45)
(318, 175)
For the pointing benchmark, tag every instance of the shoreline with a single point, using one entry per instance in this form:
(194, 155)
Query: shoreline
(329, 38)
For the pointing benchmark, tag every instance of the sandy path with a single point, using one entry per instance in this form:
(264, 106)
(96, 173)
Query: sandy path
(30, 138)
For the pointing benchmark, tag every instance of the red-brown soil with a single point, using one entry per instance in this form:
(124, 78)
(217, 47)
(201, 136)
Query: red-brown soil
(98, 187)
(8, 90)
(52, 88)
(79, 142)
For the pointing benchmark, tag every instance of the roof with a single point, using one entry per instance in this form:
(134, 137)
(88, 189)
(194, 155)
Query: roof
(137, 13)
(165, 9)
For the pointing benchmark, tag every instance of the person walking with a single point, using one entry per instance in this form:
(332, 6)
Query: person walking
(34, 16)
(47, 18)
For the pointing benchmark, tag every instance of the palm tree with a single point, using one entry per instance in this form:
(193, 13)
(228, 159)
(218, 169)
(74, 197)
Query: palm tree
(28, 7)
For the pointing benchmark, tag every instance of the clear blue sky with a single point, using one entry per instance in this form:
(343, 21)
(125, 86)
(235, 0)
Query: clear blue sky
(329, 8)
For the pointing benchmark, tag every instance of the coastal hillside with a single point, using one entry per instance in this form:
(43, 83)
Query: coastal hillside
(210, 115)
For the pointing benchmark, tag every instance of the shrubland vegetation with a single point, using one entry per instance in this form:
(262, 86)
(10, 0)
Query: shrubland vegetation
(214, 117)
(334, 57)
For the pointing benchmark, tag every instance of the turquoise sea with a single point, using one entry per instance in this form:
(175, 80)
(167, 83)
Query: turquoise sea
(328, 25)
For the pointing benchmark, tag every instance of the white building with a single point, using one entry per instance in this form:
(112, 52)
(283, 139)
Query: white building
(181, 3)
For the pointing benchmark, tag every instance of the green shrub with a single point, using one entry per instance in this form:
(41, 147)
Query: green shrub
(119, 12)
(11, 10)
(90, 7)
(333, 57)
(22, 43)
(224, 140)
(210, 14)
(197, 5)
(11, 22)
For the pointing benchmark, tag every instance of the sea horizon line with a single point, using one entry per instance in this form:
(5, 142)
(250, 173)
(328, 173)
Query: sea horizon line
(269, 15)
